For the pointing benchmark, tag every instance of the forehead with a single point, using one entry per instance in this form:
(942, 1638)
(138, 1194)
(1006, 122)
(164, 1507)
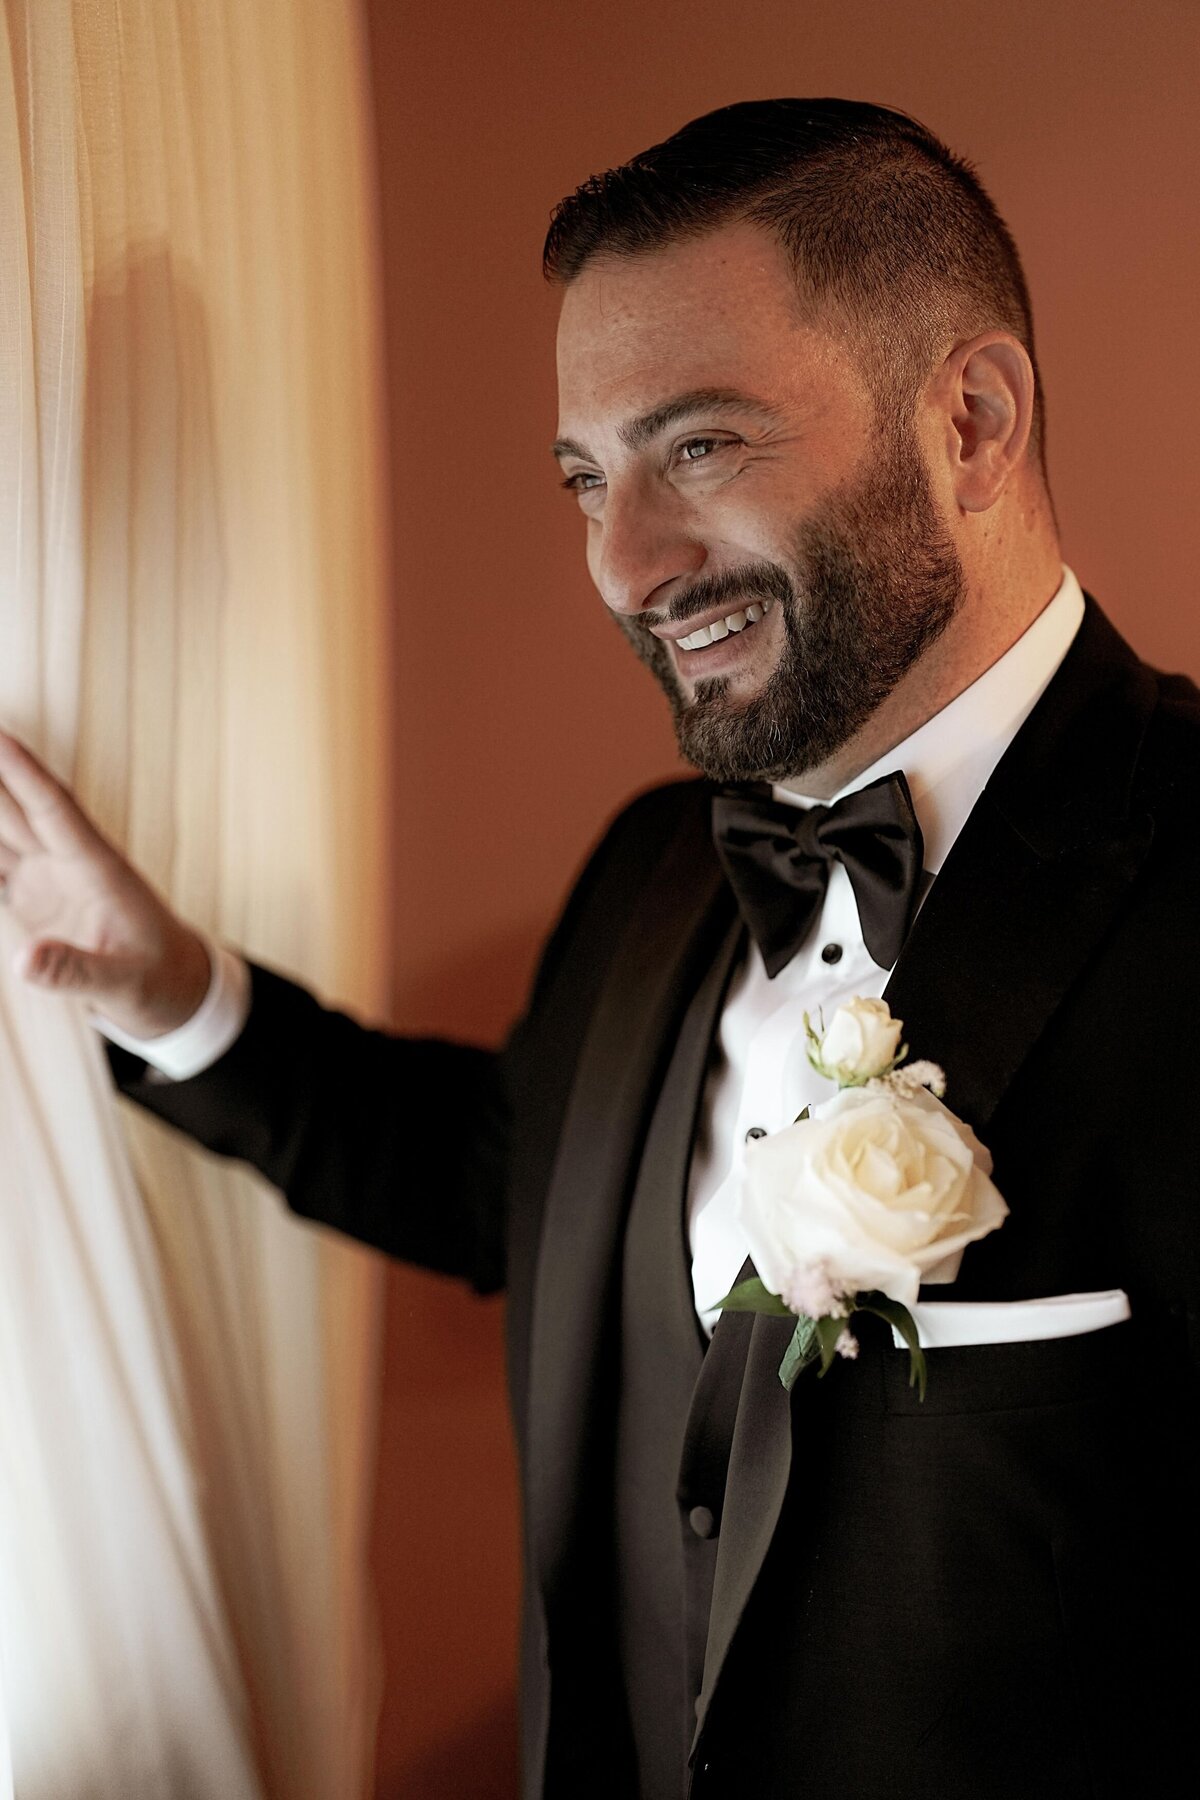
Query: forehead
(721, 310)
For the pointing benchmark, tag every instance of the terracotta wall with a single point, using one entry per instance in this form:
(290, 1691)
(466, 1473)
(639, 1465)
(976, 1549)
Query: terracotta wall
(521, 721)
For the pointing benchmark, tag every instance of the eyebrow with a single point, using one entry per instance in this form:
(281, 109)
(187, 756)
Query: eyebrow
(636, 433)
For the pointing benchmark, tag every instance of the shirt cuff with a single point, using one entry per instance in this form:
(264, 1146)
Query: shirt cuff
(196, 1044)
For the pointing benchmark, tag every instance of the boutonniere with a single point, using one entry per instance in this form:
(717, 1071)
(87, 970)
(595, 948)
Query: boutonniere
(869, 1192)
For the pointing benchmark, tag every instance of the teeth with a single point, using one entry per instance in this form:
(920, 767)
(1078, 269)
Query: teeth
(721, 628)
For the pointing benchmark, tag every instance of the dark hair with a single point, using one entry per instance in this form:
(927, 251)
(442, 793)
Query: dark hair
(880, 220)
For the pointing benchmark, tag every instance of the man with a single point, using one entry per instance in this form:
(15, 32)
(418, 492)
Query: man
(800, 410)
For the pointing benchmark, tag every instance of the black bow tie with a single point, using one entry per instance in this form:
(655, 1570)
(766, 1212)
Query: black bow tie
(777, 858)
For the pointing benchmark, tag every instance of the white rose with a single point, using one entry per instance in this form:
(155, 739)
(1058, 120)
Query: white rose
(860, 1041)
(872, 1191)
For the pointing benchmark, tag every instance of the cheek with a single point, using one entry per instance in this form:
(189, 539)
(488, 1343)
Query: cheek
(739, 529)
(592, 547)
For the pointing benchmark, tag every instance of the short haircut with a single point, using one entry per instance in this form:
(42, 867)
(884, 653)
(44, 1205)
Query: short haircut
(881, 221)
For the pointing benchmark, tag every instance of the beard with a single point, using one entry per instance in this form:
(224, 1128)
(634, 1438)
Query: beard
(874, 581)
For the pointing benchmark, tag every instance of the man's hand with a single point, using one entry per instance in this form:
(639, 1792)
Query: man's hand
(97, 929)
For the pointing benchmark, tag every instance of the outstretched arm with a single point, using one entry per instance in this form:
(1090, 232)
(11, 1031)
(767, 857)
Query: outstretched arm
(401, 1143)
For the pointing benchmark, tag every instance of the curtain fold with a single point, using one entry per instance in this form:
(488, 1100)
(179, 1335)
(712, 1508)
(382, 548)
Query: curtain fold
(193, 571)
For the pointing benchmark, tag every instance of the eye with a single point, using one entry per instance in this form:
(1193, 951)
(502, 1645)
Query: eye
(585, 481)
(702, 449)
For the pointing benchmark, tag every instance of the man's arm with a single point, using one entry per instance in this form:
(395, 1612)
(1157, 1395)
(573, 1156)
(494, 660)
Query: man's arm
(399, 1142)
(212, 1028)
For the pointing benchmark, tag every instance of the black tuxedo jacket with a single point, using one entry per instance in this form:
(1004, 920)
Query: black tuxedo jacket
(993, 1593)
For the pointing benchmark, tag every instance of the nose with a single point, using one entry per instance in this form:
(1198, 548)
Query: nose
(640, 543)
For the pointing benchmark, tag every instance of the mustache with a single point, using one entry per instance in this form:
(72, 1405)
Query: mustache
(732, 589)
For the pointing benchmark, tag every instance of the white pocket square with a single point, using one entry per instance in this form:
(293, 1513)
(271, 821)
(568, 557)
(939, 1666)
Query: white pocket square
(942, 1324)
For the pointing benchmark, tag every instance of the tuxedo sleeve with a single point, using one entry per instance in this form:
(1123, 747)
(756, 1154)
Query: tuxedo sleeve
(399, 1142)
(433, 1151)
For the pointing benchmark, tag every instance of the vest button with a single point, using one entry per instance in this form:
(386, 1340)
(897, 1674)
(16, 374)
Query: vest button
(701, 1521)
(755, 1131)
(832, 953)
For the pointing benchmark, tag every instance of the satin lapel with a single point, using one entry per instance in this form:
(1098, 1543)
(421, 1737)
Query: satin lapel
(677, 923)
(1026, 894)
(1033, 880)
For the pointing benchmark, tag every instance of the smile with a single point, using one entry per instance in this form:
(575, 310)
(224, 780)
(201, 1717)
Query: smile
(721, 628)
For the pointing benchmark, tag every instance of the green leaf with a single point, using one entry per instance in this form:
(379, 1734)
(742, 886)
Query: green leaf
(800, 1117)
(897, 1314)
(802, 1350)
(815, 1038)
(829, 1330)
(752, 1296)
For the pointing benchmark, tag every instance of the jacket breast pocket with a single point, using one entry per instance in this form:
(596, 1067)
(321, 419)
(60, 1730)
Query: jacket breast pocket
(1032, 1372)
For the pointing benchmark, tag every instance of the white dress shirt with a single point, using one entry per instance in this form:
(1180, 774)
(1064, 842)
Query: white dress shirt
(759, 1076)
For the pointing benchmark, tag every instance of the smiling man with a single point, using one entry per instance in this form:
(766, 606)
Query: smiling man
(803, 475)
(799, 407)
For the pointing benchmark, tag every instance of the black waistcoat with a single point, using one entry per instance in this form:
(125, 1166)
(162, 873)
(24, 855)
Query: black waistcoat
(665, 1549)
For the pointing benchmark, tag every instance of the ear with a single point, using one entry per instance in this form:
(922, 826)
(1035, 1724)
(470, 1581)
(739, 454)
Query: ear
(987, 390)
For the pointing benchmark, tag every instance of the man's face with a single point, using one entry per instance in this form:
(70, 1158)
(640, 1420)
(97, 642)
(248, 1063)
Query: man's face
(769, 548)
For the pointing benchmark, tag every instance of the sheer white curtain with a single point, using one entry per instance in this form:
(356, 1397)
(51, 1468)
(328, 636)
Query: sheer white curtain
(191, 632)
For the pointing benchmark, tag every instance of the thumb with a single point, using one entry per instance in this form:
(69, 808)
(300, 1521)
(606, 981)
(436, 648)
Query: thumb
(65, 968)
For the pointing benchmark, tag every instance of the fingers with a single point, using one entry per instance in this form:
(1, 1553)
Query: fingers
(37, 812)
